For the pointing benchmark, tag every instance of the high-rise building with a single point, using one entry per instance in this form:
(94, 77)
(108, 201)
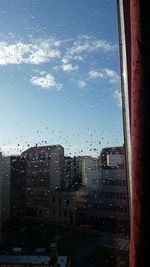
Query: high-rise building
(0, 197)
(62, 207)
(108, 209)
(4, 193)
(78, 166)
(82, 164)
(69, 170)
(113, 157)
(108, 192)
(17, 187)
(44, 174)
(88, 163)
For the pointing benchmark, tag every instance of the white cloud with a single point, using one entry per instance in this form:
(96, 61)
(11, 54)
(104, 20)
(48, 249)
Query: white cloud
(65, 60)
(81, 83)
(46, 82)
(64, 52)
(29, 53)
(41, 56)
(79, 58)
(106, 73)
(93, 74)
(79, 49)
(66, 67)
(114, 77)
(90, 44)
(66, 56)
(69, 67)
(117, 95)
(13, 54)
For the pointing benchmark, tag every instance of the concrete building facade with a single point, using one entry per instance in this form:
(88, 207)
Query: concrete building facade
(17, 187)
(113, 157)
(88, 163)
(44, 174)
(69, 170)
(4, 193)
(108, 200)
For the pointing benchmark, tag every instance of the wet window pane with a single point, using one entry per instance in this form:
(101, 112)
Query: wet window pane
(63, 183)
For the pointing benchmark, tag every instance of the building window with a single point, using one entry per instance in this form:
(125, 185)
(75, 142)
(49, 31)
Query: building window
(62, 139)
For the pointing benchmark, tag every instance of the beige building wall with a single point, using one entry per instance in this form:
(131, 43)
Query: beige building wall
(88, 164)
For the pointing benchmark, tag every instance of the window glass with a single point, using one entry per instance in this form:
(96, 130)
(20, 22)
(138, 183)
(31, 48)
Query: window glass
(63, 185)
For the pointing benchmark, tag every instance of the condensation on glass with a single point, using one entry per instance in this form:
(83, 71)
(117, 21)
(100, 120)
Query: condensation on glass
(63, 182)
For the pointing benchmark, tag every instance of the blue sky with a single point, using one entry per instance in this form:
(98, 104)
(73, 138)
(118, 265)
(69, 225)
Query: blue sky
(59, 75)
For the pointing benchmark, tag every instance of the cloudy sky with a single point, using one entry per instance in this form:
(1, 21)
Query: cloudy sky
(59, 75)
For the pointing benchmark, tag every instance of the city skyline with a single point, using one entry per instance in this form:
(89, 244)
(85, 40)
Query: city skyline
(79, 153)
(60, 76)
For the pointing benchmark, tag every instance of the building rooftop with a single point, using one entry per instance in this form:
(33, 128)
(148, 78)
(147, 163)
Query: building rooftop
(40, 149)
(113, 150)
